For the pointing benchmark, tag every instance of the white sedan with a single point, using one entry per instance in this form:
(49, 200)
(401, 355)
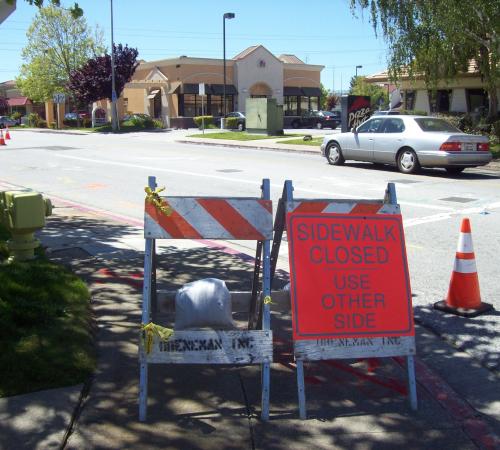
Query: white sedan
(410, 142)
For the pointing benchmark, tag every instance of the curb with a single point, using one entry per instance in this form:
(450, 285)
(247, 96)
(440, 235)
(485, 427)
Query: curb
(288, 149)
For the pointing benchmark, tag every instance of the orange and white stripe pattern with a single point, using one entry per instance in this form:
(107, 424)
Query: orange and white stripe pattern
(339, 207)
(210, 218)
(464, 284)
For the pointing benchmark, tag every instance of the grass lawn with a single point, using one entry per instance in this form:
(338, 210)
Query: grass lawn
(235, 136)
(315, 142)
(45, 326)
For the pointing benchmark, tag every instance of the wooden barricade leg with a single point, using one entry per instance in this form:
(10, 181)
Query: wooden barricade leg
(146, 314)
(266, 312)
(412, 382)
(301, 389)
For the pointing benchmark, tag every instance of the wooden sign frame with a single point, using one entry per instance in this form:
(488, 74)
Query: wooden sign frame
(344, 347)
(230, 218)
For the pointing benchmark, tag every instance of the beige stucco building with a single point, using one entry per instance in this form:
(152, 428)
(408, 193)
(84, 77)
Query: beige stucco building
(464, 94)
(168, 89)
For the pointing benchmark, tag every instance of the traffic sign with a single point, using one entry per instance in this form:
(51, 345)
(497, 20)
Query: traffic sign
(59, 98)
(349, 276)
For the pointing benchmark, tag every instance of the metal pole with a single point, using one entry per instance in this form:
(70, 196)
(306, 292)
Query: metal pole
(224, 58)
(113, 90)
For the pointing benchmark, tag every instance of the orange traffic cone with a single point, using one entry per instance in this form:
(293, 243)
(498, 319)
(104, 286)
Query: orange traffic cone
(2, 140)
(7, 135)
(463, 297)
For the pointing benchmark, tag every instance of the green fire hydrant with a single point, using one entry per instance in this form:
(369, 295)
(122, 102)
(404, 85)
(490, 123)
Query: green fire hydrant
(23, 213)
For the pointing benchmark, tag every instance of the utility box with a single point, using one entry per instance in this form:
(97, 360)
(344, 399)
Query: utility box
(23, 213)
(264, 115)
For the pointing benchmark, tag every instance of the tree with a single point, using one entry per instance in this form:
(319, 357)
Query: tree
(378, 95)
(75, 10)
(324, 96)
(332, 101)
(3, 105)
(92, 81)
(437, 39)
(57, 44)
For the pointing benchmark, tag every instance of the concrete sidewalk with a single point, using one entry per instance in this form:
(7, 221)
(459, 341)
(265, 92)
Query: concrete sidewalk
(351, 404)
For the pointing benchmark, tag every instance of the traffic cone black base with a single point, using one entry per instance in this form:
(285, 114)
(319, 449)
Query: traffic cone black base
(463, 312)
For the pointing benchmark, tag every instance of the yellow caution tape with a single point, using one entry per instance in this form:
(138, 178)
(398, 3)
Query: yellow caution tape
(151, 330)
(153, 197)
(268, 300)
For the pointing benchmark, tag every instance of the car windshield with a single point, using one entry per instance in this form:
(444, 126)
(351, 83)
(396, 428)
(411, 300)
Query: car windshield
(439, 125)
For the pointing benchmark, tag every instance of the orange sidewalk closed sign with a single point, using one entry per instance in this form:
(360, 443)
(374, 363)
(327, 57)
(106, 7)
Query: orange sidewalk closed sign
(348, 276)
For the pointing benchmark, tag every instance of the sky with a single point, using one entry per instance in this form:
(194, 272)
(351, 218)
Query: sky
(323, 32)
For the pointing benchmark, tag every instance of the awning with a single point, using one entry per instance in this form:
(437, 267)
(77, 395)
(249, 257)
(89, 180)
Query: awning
(153, 94)
(218, 89)
(18, 101)
(311, 91)
(188, 88)
(292, 90)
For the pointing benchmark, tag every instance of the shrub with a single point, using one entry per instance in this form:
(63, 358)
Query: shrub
(158, 123)
(42, 123)
(413, 112)
(231, 123)
(15, 115)
(53, 125)
(33, 119)
(495, 129)
(70, 122)
(209, 120)
(86, 122)
(142, 122)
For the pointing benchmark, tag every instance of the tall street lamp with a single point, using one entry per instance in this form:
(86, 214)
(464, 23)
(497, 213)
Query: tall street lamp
(114, 118)
(224, 17)
(358, 67)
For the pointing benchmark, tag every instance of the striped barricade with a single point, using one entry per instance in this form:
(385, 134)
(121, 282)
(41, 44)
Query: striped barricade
(201, 218)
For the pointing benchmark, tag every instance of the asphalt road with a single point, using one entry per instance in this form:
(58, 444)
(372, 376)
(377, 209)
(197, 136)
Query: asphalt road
(110, 171)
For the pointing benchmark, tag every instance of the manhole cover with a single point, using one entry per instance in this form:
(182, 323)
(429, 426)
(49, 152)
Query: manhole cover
(404, 181)
(229, 170)
(458, 199)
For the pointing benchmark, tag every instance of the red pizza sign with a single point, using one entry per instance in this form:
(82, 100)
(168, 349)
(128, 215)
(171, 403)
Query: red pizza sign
(349, 276)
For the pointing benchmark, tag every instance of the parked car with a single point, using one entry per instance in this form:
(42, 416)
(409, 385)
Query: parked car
(317, 119)
(7, 121)
(241, 122)
(409, 142)
(71, 116)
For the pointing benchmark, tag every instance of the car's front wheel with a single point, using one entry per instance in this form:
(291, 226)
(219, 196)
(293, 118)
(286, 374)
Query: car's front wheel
(295, 124)
(240, 127)
(319, 125)
(408, 161)
(334, 154)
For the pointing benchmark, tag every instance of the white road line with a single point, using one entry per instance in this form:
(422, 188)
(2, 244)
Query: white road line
(409, 223)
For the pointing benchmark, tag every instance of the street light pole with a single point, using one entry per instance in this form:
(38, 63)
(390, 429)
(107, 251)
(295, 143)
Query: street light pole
(358, 67)
(114, 118)
(224, 17)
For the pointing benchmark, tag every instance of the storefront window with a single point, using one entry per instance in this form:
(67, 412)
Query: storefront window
(440, 100)
(308, 103)
(215, 105)
(314, 103)
(477, 100)
(290, 105)
(409, 100)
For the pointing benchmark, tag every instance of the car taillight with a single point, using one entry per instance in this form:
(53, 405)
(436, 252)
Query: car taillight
(483, 147)
(451, 146)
